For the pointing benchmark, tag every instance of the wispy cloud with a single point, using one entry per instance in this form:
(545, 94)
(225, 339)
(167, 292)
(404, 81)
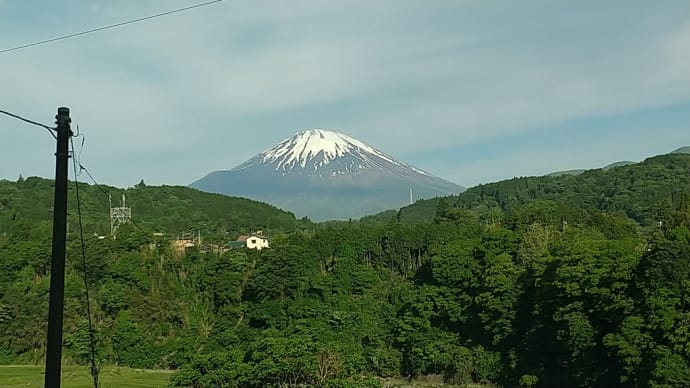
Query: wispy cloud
(173, 98)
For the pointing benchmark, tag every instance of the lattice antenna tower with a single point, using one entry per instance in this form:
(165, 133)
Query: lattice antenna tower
(119, 215)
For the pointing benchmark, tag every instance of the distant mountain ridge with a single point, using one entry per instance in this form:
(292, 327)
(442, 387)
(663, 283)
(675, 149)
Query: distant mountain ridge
(681, 150)
(580, 171)
(324, 175)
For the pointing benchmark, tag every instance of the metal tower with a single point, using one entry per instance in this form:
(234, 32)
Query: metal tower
(119, 215)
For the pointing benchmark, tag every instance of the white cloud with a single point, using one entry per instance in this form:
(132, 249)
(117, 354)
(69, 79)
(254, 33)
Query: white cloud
(412, 76)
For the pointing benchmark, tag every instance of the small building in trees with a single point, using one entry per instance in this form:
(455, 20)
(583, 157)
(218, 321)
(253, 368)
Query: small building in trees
(183, 243)
(252, 241)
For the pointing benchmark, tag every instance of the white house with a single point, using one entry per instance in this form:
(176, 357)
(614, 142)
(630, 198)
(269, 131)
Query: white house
(254, 241)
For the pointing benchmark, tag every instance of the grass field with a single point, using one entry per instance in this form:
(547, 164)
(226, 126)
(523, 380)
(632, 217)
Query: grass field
(31, 376)
(79, 377)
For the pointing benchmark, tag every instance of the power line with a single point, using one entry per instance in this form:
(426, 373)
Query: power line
(94, 368)
(98, 186)
(51, 130)
(108, 27)
(77, 155)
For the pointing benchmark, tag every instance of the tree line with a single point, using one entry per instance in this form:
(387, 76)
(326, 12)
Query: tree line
(554, 281)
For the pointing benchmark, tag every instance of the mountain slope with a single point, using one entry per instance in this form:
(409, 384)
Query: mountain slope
(681, 150)
(580, 171)
(617, 164)
(26, 205)
(639, 190)
(327, 175)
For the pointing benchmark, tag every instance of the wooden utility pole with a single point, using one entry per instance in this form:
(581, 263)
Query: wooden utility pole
(57, 263)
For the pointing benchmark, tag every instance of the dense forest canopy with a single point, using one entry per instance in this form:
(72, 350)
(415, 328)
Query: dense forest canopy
(635, 190)
(171, 210)
(562, 281)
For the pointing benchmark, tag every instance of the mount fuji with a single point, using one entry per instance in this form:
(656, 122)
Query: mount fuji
(327, 175)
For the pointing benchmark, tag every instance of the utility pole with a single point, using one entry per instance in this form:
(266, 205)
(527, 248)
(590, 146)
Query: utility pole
(57, 263)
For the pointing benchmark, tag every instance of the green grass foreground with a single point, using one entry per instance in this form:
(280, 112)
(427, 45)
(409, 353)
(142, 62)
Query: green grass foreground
(30, 376)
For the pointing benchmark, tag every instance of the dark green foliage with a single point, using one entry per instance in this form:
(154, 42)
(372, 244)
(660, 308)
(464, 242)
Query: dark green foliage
(130, 347)
(491, 286)
(26, 206)
(635, 190)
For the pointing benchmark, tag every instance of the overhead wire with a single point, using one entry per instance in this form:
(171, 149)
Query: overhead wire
(108, 26)
(98, 186)
(92, 341)
(95, 183)
(76, 160)
(51, 130)
(77, 155)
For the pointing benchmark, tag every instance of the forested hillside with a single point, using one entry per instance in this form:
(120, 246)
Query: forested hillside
(490, 286)
(636, 190)
(27, 205)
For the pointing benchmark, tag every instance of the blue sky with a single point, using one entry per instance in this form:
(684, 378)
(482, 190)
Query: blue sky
(472, 91)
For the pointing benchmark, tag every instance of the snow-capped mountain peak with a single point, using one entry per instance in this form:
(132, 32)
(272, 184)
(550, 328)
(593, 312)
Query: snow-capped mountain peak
(306, 145)
(313, 149)
(324, 175)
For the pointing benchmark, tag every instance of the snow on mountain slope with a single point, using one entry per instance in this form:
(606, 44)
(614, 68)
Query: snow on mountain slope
(320, 150)
(317, 144)
(327, 175)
